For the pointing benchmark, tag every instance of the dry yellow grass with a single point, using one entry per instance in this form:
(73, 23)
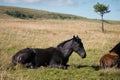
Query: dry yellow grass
(16, 34)
(45, 33)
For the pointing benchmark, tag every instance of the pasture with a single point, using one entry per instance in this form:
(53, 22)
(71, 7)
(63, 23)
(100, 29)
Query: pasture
(16, 34)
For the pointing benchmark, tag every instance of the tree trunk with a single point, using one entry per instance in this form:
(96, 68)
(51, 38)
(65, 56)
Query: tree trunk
(102, 24)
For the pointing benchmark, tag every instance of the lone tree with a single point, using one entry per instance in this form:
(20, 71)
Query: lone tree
(101, 9)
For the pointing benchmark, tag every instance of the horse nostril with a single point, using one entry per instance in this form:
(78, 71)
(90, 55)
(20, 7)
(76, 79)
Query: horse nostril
(84, 56)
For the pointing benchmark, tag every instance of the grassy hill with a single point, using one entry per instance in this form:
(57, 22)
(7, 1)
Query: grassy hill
(8, 12)
(25, 13)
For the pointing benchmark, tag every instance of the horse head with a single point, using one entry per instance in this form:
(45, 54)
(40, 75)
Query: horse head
(74, 44)
(78, 47)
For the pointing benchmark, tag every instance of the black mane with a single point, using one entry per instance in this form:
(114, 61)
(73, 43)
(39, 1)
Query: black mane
(62, 44)
(116, 49)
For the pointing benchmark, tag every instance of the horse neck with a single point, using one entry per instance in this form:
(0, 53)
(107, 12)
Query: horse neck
(116, 49)
(66, 48)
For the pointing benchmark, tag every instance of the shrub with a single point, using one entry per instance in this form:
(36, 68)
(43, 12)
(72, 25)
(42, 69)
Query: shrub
(19, 14)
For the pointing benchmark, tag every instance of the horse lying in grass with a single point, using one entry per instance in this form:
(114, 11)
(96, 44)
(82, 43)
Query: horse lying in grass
(53, 57)
(112, 59)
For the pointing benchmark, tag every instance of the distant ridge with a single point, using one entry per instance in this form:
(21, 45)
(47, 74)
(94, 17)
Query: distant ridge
(8, 12)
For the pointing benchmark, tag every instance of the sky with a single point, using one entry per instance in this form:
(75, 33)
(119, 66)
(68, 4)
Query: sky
(82, 8)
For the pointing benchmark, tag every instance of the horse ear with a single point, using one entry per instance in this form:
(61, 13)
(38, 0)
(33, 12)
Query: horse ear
(74, 37)
(77, 36)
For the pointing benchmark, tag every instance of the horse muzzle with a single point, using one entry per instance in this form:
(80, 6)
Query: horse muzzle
(82, 53)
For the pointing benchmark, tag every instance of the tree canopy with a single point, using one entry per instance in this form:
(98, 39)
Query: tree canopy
(101, 8)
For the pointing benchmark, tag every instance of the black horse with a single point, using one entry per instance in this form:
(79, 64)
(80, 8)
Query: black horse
(52, 57)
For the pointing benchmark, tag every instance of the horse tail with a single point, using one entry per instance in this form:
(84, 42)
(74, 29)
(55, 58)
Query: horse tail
(14, 61)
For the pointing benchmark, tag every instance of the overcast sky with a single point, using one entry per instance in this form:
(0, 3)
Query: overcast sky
(76, 7)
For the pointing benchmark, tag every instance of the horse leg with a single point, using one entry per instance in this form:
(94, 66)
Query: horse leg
(54, 64)
(29, 65)
(59, 66)
(103, 64)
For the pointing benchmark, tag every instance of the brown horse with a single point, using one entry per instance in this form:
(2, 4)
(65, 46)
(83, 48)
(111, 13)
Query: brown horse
(112, 59)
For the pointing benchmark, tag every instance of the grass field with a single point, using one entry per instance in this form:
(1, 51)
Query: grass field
(17, 34)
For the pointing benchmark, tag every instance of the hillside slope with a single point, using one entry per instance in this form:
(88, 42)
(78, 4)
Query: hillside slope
(36, 14)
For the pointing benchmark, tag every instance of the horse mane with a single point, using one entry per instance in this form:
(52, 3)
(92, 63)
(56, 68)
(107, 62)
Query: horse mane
(116, 49)
(62, 43)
